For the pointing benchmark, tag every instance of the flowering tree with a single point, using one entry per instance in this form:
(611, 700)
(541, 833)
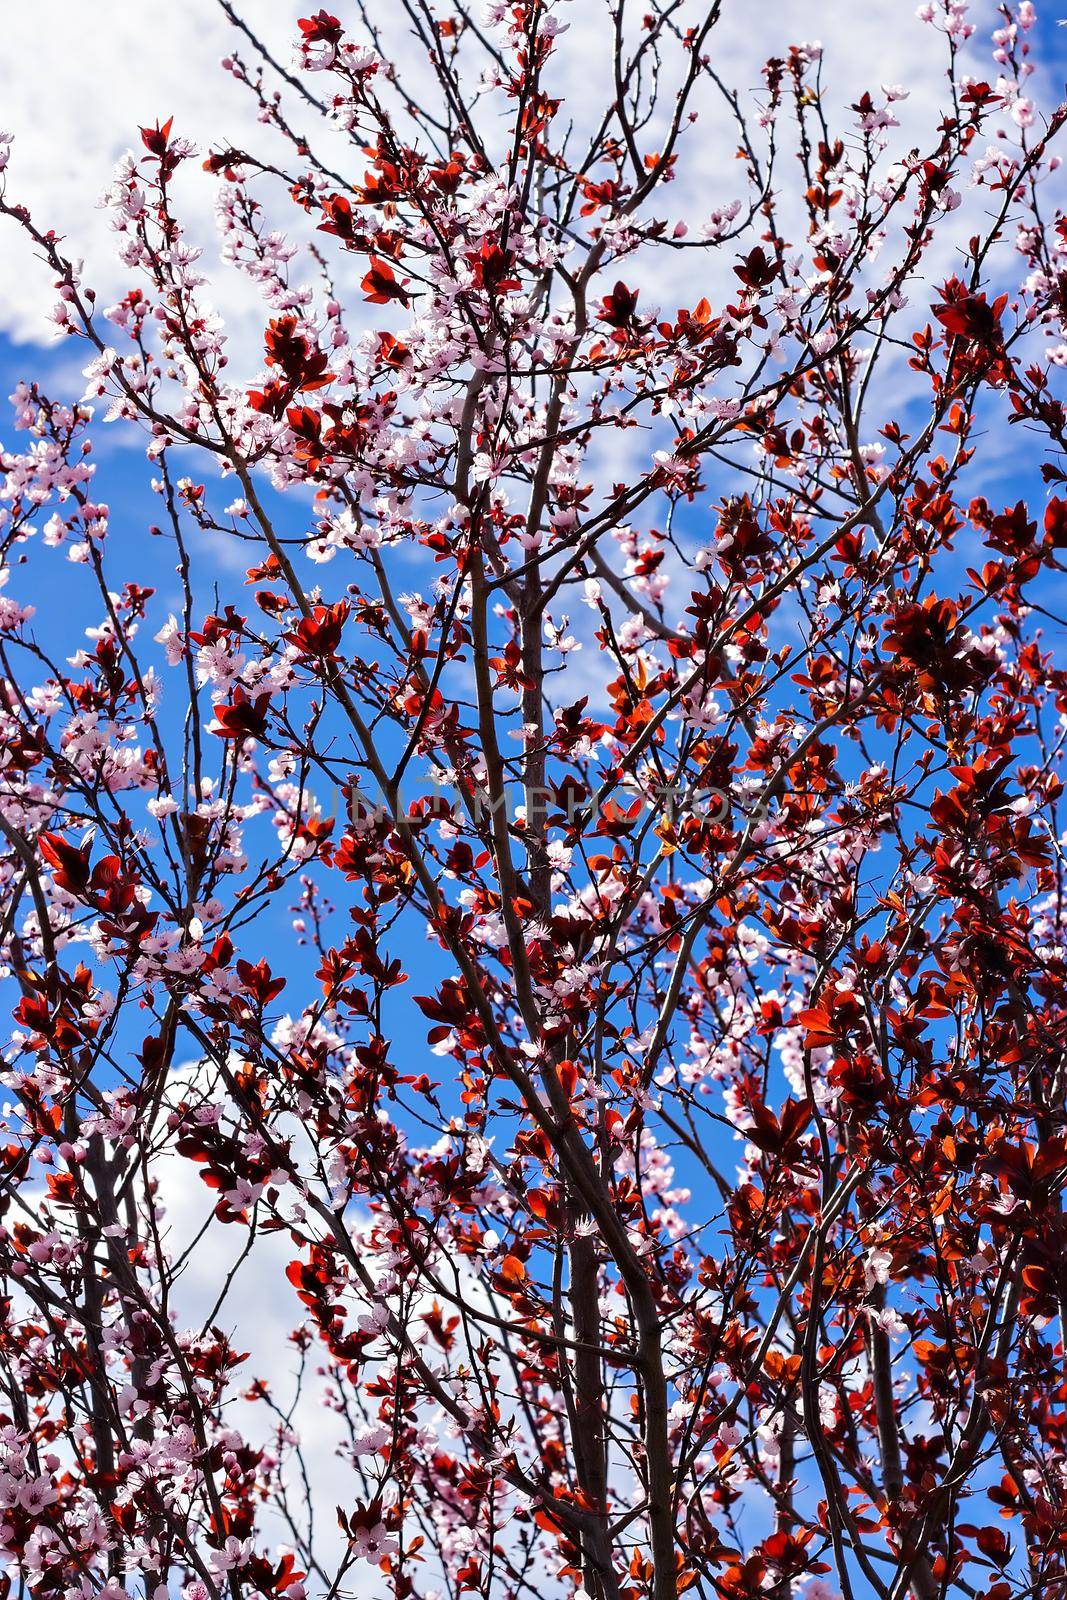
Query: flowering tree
(664, 672)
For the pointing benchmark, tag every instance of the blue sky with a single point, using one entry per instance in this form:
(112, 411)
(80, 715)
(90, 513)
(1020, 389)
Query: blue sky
(67, 604)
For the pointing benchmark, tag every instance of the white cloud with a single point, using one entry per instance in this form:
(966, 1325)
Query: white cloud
(259, 1311)
(76, 85)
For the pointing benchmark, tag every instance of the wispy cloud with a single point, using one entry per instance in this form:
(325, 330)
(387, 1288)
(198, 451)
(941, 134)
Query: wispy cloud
(74, 90)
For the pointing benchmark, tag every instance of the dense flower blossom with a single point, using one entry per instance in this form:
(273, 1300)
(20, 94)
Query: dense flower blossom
(663, 682)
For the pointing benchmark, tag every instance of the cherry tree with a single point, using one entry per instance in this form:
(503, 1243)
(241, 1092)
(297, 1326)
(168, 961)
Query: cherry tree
(590, 888)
